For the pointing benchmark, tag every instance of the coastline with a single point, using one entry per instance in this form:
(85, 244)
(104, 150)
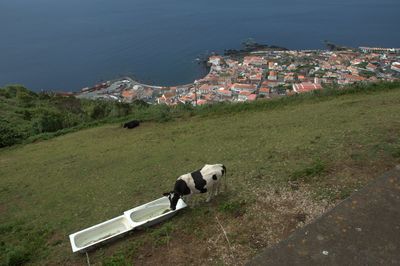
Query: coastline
(259, 71)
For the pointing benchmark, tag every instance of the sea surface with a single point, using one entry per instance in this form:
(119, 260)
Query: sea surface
(68, 45)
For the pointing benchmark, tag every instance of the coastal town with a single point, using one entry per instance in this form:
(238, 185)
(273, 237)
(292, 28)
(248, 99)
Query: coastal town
(262, 74)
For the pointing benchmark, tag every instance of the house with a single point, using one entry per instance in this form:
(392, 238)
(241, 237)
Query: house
(238, 87)
(272, 65)
(352, 78)
(352, 70)
(356, 61)
(301, 77)
(292, 67)
(306, 87)
(147, 94)
(201, 102)
(371, 67)
(206, 88)
(263, 92)
(395, 66)
(288, 77)
(256, 78)
(251, 97)
(270, 83)
(186, 99)
(128, 95)
(232, 63)
(215, 60)
(272, 75)
(242, 97)
(224, 93)
(254, 60)
(167, 98)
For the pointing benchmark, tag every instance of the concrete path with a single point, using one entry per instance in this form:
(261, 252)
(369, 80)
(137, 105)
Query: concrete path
(362, 230)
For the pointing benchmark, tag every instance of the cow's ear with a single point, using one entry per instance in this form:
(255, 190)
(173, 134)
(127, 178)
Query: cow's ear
(166, 194)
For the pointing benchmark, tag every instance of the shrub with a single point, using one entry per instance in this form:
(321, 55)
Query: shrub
(8, 134)
(47, 121)
(25, 98)
(17, 255)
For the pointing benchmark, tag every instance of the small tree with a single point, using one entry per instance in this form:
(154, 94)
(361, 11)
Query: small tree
(48, 121)
(25, 99)
(8, 135)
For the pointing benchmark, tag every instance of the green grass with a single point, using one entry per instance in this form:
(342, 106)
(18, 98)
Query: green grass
(316, 169)
(49, 189)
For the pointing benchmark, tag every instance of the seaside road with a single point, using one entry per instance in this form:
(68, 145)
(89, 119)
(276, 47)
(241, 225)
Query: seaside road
(362, 230)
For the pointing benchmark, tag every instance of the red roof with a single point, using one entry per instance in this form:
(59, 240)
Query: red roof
(127, 93)
(251, 97)
(272, 73)
(244, 86)
(201, 102)
(206, 87)
(306, 87)
(246, 93)
(225, 92)
(353, 77)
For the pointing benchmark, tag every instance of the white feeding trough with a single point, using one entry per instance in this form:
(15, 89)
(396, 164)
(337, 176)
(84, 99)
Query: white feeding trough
(142, 216)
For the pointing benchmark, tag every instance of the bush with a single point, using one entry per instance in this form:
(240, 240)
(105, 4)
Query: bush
(99, 110)
(47, 121)
(162, 113)
(8, 134)
(17, 256)
(25, 98)
(120, 109)
(67, 104)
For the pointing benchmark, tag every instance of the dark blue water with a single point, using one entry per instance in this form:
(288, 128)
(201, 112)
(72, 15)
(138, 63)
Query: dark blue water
(67, 45)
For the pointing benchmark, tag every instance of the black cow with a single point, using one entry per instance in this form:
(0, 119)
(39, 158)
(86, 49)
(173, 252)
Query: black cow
(206, 179)
(131, 124)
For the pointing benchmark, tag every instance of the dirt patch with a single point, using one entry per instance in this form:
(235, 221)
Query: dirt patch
(56, 238)
(182, 249)
(272, 217)
(3, 208)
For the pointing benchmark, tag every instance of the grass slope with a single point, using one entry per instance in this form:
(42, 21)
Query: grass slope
(285, 167)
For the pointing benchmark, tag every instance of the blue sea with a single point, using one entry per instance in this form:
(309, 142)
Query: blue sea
(68, 45)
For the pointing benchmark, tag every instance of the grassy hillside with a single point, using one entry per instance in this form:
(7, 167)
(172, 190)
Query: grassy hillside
(286, 165)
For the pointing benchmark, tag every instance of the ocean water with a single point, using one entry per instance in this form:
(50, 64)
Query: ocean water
(67, 45)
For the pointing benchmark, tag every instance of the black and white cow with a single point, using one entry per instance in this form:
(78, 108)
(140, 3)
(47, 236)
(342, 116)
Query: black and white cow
(131, 124)
(206, 179)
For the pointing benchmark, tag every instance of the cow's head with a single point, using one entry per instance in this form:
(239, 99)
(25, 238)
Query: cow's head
(173, 199)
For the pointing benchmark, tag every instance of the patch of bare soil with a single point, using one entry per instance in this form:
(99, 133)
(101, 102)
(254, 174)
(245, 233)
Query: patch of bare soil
(272, 217)
(3, 208)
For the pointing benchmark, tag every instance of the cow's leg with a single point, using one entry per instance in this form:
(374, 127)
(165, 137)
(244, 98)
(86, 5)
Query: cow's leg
(225, 185)
(210, 193)
(218, 187)
(187, 199)
(194, 201)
